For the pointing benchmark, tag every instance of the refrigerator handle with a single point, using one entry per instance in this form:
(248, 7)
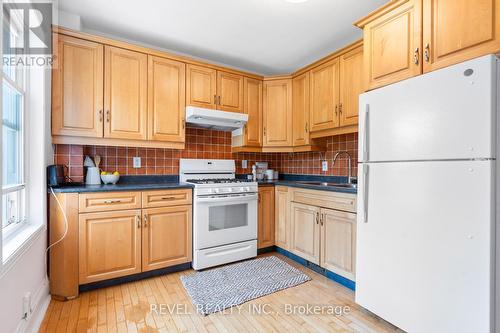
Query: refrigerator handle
(365, 193)
(365, 133)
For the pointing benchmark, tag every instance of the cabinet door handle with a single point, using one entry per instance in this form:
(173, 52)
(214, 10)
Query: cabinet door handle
(100, 116)
(317, 218)
(145, 220)
(219, 100)
(416, 56)
(427, 54)
(336, 109)
(112, 201)
(340, 108)
(183, 124)
(307, 127)
(108, 115)
(138, 221)
(264, 130)
(215, 99)
(323, 216)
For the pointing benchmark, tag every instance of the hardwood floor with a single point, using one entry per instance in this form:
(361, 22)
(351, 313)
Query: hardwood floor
(127, 308)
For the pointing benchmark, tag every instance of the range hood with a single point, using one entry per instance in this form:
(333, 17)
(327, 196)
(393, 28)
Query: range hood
(214, 119)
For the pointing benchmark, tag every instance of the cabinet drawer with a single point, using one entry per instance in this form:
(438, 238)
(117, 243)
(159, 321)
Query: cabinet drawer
(326, 199)
(108, 201)
(151, 199)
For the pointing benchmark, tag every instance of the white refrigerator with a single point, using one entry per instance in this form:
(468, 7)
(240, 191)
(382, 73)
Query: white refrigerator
(427, 200)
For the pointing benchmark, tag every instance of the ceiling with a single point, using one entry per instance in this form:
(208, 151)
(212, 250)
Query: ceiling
(268, 37)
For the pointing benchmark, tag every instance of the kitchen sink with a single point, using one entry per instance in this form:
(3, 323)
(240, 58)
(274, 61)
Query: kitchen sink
(317, 183)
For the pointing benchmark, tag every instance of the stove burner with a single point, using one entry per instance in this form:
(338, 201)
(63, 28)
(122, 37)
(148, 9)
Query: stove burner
(218, 181)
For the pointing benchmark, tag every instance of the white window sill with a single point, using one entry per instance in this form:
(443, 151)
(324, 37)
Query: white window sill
(17, 244)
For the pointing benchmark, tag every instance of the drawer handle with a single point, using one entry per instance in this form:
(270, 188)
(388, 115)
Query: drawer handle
(112, 201)
(145, 220)
(167, 198)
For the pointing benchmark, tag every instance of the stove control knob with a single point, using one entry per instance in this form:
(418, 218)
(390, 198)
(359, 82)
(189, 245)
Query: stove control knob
(229, 189)
(247, 189)
(215, 190)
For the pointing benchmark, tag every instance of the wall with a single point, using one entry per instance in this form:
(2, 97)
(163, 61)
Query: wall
(201, 143)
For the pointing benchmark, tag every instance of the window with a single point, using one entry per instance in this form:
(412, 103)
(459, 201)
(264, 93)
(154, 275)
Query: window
(13, 145)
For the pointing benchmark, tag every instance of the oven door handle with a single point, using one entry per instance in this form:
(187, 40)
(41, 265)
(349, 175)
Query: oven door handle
(229, 199)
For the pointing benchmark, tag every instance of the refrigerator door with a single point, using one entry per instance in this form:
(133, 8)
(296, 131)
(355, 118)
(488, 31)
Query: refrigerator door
(424, 244)
(446, 114)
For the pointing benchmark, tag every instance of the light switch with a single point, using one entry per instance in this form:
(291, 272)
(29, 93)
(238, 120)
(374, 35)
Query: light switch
(244, 164)
(324, 165)
(136, 162)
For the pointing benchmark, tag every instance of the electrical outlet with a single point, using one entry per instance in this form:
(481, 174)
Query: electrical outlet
(244, 164)
(324, 165)
(137, 162)
(27, 306)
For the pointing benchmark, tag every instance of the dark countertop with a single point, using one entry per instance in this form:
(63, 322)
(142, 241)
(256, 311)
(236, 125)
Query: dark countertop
(127, 183)
(140, 183)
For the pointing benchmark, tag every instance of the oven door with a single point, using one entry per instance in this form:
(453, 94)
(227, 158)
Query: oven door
(221, 220)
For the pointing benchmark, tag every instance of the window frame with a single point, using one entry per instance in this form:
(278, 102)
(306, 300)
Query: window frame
(12, 229)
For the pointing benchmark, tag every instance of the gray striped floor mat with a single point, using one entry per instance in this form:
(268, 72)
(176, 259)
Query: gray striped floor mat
(223, 287)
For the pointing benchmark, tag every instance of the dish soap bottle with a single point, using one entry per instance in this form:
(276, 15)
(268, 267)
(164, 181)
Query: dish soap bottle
(254, 172)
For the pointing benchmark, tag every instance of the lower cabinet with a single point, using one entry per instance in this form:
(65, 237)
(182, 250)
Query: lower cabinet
(338, 242)
(265, 227)
(166, 237)
(324, 236)
(305, 239)
(109, 245)
(282, 217)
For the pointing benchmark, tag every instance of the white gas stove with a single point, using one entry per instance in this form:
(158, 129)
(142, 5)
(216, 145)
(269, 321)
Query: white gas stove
(224, 212)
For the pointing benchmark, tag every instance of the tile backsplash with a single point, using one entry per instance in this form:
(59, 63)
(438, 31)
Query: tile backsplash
(202, 143)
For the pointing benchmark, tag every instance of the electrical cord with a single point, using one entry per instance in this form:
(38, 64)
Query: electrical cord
(66, 226)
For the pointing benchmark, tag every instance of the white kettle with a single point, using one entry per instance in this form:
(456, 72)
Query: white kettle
(93, 176)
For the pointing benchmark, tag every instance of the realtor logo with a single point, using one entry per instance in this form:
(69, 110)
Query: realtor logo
(27, 28)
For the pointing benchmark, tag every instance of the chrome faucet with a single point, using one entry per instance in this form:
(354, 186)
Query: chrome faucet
(349, 176)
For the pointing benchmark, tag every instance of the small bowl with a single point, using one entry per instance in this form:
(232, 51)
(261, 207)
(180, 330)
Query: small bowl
(110, 179)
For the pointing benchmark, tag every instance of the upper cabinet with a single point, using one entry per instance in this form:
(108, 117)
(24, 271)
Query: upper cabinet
(325, 96)
(125, 97)
(77, 95)
(230, 92)
(253, 107)
(166, 99)
(405, 38)
(392, 43)
(454, 31)
(278, 113)
(300, 108)
(212, 89)
(201, 86)
(351, 86)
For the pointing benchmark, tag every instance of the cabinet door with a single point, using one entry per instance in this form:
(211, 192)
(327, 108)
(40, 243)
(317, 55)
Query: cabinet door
(392, 45)
(77, 95)
(253, 107)
(300, 107)
(282, 217)
(230, 92)
(109, 245)
(459, 30)
(338, 242)
(278, 113)
(201, 86)
(325, 96)
(166, 237)
(351, 86)
(166, 99)
(125, 94)
(265, 232)
(305, 231)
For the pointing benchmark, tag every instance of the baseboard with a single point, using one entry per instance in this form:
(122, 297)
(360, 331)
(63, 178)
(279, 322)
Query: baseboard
(329, 274)
(40, 303)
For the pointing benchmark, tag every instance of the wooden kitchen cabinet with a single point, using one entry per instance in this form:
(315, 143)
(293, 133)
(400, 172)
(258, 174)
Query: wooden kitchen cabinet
(324, 96)
(229, 92)
(77, 87)
(109, 245)
(300, 109)
(338, 242)
(125, 94)
(305, 232)
(278, 113)
(351, 86)
(166, 99)
(253, 107)
(282, 217)
(392, 42)
(265, 228)
(455, 31)
(201, 86)
(166, 237)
